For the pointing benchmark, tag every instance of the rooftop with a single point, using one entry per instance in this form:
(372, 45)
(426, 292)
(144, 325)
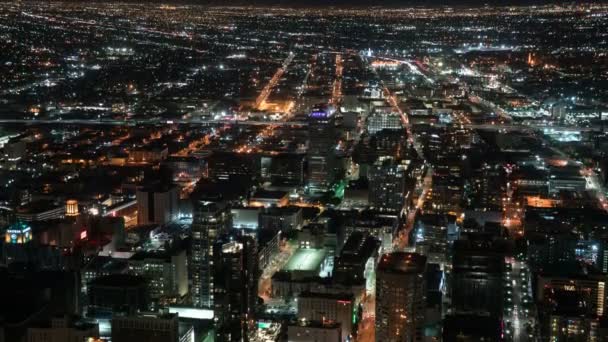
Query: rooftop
(336, 296)
(305, 260)
(402, 262)
(120, 280)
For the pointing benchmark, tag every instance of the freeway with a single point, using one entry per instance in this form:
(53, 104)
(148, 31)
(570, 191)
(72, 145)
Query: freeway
(97, 122)
(211, 122)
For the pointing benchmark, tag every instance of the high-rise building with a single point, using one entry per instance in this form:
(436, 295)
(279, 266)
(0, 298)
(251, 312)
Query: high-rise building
(588, 284)
(380, 225)
(118, 294)
(357, 259)
(477, 277)
(210, 220)
(152, 328)
(157, 204)
(281, 219)
(381, 120)
(228, 166)
(567, 316)
(388, 142)
(166, 272)
(400, 297)
(286, 169)
(387, 184)
(329, 307)
(235, 286)
(323, 136)
(431, 236)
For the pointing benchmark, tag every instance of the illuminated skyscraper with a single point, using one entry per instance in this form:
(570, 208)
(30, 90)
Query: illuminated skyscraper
(400, 297)
(387, 184)
(322, 136)
(477, 277)
(210, 220)
(235, 286)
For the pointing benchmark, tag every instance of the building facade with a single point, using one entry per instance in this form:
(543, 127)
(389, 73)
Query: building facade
(210, 220)
(235, 286)
(339, 308)
(157, 204)
(323, 137)
(387, 184)
(400, 297)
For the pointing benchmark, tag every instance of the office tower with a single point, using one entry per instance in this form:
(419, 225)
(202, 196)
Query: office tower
(235, 286)
(477, 277)
(281, 219)
(230, 166)
(101, 266)
(381, 120)
(286, 169)
(149, 328)
(431, 236)
(357, 259)
(118, 294)
(268, 246)
(165, 270)
(373, 222)
(489, 184)
(329, 308)
(567, 316)
(400, 297)
(157, 204)
(602, 255)
(387, 184)
(210, 220)
(445, 195)
(552, 250)
(587, 283)
(322, 139)
(388, 142)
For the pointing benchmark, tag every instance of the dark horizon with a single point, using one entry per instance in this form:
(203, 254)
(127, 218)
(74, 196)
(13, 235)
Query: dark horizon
(349, 3)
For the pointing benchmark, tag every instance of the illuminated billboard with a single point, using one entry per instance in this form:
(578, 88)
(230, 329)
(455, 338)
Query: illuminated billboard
(18, 233)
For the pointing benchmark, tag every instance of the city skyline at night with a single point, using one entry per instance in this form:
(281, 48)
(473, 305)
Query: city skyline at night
(342, 171)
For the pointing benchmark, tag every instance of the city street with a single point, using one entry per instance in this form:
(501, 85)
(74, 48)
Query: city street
(519, 311)
(367, 324)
